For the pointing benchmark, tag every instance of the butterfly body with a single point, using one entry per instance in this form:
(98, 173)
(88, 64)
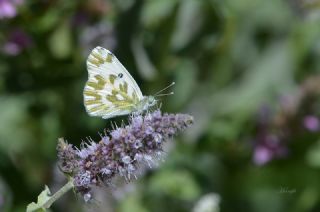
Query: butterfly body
(110, 90)
(145, 103)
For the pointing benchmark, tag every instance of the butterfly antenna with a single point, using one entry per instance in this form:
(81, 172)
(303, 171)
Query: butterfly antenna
(165, 94)
(112, 125)
(173, 83)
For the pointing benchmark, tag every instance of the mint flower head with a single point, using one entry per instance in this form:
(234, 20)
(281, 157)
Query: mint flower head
(8, 8)
(121, 152)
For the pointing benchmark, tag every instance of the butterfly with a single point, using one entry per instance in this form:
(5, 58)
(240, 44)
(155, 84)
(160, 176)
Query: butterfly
(110, 90)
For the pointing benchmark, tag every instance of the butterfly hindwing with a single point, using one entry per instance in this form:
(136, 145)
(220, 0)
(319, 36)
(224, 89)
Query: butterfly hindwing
(110, 90)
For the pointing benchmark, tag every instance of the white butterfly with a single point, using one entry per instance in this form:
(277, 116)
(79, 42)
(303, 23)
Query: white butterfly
(110, 90)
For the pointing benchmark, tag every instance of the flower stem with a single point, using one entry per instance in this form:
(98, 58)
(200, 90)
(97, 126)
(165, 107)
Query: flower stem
(69, 185)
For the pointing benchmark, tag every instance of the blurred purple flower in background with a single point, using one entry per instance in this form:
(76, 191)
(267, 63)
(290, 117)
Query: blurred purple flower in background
(267, 144)
(311, 123)
(79, 19)
(8, 8)
(268, 147)
(16, 42)
(101, 34)
(261, 155)
(274, 130)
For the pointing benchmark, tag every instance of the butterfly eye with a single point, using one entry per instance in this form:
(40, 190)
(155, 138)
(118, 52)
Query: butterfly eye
(120, 75)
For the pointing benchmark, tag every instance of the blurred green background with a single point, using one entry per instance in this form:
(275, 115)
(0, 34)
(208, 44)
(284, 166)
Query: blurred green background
(248, 71)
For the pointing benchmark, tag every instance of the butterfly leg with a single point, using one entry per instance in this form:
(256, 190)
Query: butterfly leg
(137, 113)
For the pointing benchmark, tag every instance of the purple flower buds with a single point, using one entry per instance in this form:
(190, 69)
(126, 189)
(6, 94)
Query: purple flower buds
(140, 142)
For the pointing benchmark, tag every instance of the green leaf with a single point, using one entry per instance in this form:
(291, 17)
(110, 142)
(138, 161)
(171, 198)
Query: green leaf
(190, 13)
(132, 203)
(48, 21)
(42, 200)
(175, 183)
(155, 11)
(313, 155)
(185, 76)
(15, 135)
(60, 42)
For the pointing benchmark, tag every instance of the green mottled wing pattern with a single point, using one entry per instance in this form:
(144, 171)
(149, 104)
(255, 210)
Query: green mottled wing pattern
(110, 90)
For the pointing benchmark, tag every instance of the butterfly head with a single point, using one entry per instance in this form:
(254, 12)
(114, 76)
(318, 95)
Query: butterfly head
(146, 103)
(151, 101)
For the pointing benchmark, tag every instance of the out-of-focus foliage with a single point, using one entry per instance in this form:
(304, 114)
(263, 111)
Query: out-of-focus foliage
(248, 71)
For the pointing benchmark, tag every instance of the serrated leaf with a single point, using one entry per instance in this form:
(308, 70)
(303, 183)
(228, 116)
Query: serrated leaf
(43, 197)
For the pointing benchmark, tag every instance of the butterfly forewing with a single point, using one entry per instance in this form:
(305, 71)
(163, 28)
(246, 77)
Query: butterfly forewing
(110, 90)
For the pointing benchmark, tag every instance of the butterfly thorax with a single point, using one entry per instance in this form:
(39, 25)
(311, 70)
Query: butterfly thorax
(145, 103)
